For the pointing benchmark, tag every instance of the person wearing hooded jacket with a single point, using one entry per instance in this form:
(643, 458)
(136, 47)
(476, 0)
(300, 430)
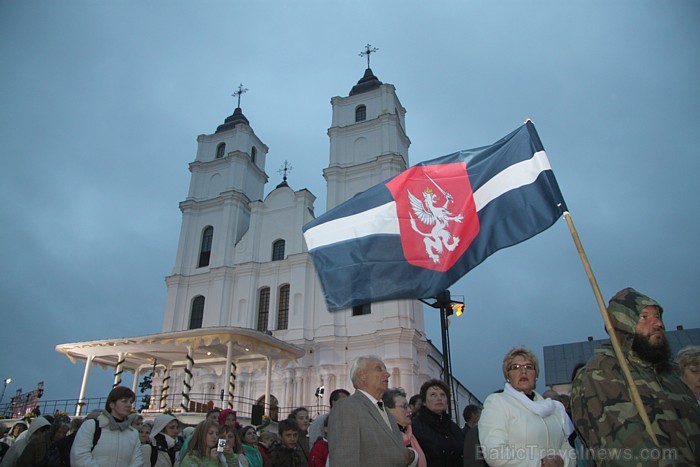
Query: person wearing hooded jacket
(118, 444)
(601, 407)
(37, 426)
(17, 429)
(163, 438)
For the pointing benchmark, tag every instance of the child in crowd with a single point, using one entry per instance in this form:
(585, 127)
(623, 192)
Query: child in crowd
(286, 454)
(202, 449)
(233, 452)
(265, 443)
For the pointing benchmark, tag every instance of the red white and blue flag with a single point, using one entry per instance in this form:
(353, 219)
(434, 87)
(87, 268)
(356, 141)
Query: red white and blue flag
(416, 234)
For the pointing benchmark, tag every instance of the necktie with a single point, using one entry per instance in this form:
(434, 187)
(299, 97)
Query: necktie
(382, 412)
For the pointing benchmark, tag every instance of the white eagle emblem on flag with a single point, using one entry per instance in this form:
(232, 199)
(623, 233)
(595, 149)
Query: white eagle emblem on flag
(439, 217)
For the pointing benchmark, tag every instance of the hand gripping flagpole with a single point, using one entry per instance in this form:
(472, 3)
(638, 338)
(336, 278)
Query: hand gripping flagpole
(634, 393)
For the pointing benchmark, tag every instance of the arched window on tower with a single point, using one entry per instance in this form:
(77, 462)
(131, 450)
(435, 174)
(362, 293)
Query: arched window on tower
(205, 249)
(197, 314)
(253, 153)
(283, 308)
(263, 308)
(360, 113)
(278, 250)
(220, 150)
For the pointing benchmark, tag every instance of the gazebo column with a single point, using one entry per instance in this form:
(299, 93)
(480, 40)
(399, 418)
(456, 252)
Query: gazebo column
(268, 375)
(136, 380)
(83, 386)
(229, 375)
(119, 369)
(165, 385)
(187, 383)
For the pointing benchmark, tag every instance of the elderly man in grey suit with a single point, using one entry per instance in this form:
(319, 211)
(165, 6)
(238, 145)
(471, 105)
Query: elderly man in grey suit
(360, 431)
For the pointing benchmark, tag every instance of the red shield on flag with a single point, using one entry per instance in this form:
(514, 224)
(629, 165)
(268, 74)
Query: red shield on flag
(436, 212)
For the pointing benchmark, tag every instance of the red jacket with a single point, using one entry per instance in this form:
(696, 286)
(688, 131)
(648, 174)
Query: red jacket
(318, 453)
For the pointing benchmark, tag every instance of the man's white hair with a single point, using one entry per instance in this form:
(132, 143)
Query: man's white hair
(359, 364)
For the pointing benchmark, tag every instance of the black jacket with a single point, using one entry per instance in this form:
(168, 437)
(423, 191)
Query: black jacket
(440, 438)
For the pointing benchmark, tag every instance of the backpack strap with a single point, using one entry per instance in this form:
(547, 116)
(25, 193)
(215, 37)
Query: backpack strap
(96, 434)
(154, 455)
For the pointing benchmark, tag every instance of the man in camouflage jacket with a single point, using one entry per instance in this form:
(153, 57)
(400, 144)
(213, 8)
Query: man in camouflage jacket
(601, 407)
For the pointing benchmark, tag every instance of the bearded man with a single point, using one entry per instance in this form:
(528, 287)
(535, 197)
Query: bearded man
(601, 407)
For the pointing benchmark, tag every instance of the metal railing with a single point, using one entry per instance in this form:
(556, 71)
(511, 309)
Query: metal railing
(199, 403)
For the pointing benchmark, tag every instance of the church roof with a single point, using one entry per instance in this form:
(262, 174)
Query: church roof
(366, 83)
(233, 120)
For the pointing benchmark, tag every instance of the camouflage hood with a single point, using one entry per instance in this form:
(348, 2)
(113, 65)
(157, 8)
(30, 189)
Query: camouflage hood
(624, 309)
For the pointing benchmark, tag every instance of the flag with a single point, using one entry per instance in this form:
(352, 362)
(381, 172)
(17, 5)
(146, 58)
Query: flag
(417, 233)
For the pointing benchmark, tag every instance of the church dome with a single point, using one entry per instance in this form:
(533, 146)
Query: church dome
(233, 120)
(366, 83)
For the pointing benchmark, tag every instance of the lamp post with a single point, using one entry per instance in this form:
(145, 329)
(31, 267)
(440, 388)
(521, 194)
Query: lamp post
(447, 306)
(5, 382)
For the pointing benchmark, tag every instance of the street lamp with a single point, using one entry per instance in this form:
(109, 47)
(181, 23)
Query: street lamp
(447, 306)
(4, 386)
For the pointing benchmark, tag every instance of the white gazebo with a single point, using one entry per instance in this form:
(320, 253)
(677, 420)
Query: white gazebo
(204, 347)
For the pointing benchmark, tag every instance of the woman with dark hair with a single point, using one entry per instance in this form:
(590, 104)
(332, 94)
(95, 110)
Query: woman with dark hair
(162, 439)
(440, 438)
(300, 416)
(249, 438)
(109, 440)
(201, 451)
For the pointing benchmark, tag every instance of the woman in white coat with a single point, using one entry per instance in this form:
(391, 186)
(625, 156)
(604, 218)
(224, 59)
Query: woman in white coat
(118, 444)
(518, 427)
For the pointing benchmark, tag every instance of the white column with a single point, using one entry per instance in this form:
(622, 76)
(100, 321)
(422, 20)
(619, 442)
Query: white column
(136, 380)
(229, 375)
(187, 383)
(119, 369)
(268, 376)
(83, 386)
(165, 385)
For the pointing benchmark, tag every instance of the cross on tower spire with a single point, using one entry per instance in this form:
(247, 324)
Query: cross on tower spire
(241, 90)
(284, 169)
(369, 50)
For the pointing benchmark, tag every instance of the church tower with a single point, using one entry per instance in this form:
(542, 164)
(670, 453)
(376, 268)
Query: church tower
(367, 137)
(368, 145)
(227, 174)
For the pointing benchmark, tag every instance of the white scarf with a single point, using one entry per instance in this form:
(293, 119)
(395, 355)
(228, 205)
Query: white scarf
(542, 407)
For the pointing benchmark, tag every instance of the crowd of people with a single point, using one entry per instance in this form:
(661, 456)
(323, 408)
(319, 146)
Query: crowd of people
(649, 417)
(600, 424)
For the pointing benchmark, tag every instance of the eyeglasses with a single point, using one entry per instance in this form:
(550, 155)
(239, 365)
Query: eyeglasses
(524, 366)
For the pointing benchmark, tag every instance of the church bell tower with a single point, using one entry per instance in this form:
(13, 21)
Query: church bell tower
(368, 142)
(227, 174)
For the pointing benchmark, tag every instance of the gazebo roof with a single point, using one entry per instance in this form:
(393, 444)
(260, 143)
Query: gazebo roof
(210, 346)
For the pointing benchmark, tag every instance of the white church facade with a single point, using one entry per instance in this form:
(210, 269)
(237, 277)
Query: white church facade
(242, 263)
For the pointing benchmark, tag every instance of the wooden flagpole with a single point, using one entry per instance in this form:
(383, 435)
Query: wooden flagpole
(634, 392)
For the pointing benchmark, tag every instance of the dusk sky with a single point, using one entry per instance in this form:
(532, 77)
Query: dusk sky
(101, 103)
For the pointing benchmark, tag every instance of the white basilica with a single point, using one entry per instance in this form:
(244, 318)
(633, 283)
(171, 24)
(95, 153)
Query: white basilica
(244, 293)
